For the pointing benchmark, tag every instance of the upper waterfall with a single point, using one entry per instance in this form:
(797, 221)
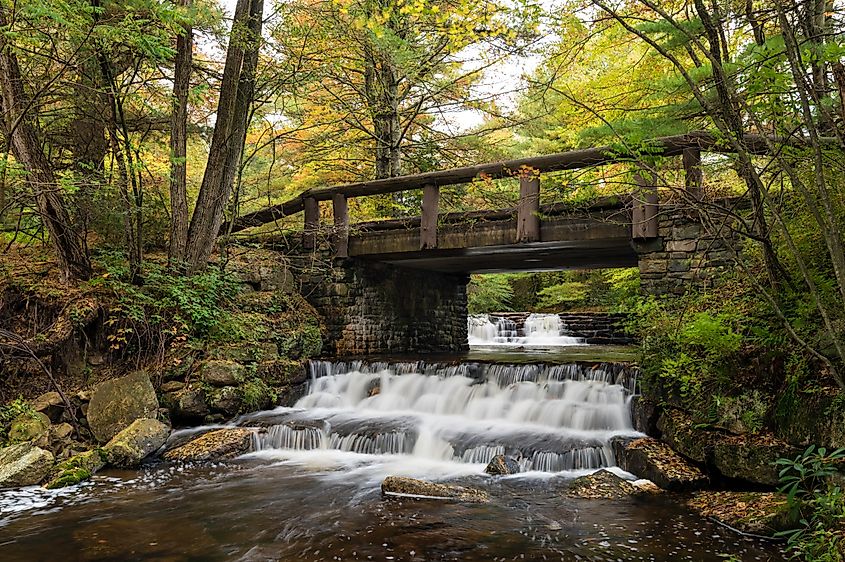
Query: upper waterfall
(538, 330)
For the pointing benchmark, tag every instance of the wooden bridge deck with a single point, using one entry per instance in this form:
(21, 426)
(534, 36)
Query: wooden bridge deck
(596, 237)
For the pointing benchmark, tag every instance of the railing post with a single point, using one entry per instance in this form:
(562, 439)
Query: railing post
(312, 223)
(644, 215)
(340, 210)
(428, 220)
(694, 179)
(528, 209)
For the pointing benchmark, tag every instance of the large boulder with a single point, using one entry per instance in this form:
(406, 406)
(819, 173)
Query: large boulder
(23, 465)
(118, 402)
(762, 513)
(602, 484)
(751, 458)
(401, 486)
(650, 459)
(221, 444)
(29, 426)
(679, 432)
(76, 469)
(136, 442)
(502, 464)
(220, 372)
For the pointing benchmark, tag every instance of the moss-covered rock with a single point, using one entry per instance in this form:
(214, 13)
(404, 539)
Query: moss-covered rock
(679, 432)
(118, 402)
(222, 372)
(763, 513)
(401, 486)
(282, 372)
(751, 457)
(246, 352)
(811, 417)
(227, 400)
(132, 445)
(76, 469)
(650, 459)
(301, 341)
(23, 465)
(748, 457)
(29, 426)
(221, 444)
(187, 405)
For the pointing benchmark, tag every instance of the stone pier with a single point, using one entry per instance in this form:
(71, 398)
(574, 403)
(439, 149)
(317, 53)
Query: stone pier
(376, 308)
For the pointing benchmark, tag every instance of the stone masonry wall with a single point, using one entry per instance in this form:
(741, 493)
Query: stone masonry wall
(373, 308)
(685, 254)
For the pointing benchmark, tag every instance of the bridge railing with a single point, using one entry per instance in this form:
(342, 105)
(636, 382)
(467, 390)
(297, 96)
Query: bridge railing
(644, 212)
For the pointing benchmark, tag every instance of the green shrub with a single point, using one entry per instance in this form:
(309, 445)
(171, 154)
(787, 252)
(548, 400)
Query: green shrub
(257, 394)
(562, 296)
(818, 503)
(489, 293)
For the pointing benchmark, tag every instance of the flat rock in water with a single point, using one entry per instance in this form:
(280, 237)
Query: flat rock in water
(23, 465)
(220, 444)
(762, 513)
(404, 487)
(135, 443)
(502, 464)
(118, 402)
(650, 459)
(602, 485)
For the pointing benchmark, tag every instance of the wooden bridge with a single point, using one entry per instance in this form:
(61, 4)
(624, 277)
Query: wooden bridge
(529, 237)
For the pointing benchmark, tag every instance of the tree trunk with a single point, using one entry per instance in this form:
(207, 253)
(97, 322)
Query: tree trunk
(19, 130)
(178, 145)
(227, 141)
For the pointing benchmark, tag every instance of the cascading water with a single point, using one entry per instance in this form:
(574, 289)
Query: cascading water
(551, 418)
(538, 330)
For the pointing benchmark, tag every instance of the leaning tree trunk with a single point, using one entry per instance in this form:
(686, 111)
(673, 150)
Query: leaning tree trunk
(19, 130)
(226, 142)
(178, 146)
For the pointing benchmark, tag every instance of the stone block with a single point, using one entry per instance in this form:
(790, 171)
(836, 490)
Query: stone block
(678, 265)
(681, 245)
(653, 266)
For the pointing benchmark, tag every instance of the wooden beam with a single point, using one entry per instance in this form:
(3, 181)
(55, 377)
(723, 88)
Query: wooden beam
(312, 223)
(692, 169)
(644, 213)
(340, 210)
(528, 208)
(428, 221)
(585, 158)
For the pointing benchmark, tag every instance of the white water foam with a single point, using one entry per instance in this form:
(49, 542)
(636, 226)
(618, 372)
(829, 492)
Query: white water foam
(551, 419)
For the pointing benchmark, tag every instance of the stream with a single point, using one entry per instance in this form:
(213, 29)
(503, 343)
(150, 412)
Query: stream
(310, 488)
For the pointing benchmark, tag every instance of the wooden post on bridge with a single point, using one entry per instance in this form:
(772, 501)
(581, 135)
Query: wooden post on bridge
(340, 210)
(528, 208)
(312, 223)
(644, 215)
(694, 179)
(428, 220)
